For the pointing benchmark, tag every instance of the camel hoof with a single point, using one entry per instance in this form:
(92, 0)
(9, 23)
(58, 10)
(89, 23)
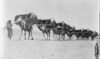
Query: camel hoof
(32, 38)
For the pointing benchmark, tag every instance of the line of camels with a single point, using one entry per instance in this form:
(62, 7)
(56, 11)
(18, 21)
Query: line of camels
(60, 30)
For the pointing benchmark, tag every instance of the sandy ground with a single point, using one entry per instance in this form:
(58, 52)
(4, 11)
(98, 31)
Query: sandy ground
(36, 49)
(39, 49)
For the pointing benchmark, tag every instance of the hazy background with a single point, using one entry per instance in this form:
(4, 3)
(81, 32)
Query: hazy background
(78, 13)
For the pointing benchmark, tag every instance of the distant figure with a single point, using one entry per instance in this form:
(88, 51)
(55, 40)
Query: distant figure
(9, 29)
(97, 50)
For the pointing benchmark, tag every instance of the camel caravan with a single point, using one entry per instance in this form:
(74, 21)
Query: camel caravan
(60, 30)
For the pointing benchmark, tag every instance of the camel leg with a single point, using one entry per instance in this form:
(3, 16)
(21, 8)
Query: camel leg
(44, 35)
(49, 36)
(59, 37)
(56, 36)
(25, 35)
(53, 35)
(77, 37)
(63, 37)
(21, 34)
(29, 35)
(69, 37)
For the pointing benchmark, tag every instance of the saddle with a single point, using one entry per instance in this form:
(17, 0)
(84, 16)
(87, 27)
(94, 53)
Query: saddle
(26, 16)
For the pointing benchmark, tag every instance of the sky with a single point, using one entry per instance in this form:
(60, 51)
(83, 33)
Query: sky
(79, 13)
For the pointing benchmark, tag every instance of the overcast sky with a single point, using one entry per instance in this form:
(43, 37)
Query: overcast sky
(78, 13)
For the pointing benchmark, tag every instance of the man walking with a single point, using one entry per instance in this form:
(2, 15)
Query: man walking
(9, 29)
(97, 49)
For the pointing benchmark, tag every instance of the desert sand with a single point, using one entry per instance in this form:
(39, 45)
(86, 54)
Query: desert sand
(46, 49)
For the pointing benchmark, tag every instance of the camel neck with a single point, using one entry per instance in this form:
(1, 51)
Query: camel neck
(40, 28)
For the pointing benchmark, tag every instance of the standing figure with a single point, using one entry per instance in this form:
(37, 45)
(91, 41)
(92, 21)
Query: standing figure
(9, 29)
(97, 50)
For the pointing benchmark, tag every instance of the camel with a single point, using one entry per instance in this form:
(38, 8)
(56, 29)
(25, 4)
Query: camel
(60, 29)
(94, 35)
(44, 31)
(45, 25)
(26, 23)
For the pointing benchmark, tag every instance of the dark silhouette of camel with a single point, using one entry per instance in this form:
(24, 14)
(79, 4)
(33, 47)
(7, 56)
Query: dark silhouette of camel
(26, 22)
(45, 25)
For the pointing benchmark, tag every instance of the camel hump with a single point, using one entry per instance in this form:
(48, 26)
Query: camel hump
(33, 15)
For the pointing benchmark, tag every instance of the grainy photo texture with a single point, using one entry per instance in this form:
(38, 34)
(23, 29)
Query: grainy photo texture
(50, 29)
